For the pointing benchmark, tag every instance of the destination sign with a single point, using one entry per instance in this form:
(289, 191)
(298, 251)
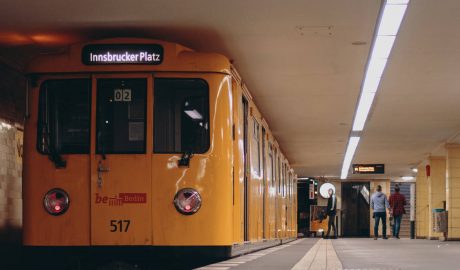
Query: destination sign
(109, 54)
(368, 168)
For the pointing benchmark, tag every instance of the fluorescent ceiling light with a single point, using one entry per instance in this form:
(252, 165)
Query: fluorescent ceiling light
(388, 27)
(397, 2)
(407, 178)
(391, 19)
(364, 106)
(415, 170)
(351, 148)
(376, 67)
(382, 46)
(194, 114)
(371, 84)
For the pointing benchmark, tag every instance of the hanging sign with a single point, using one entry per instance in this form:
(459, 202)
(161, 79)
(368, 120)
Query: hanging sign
(368, 168)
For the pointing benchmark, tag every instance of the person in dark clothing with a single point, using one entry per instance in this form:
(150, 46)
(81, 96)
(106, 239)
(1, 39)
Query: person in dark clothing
(331, 212)
(397, 203)
(379, 203)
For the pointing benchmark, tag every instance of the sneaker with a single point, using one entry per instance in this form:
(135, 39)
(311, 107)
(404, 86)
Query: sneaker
(386, 238)
(375, 238)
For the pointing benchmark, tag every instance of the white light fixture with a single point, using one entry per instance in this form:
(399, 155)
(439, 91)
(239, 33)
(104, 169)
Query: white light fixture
(388, 27)
(351, 148)
(415, 170)
(383, 46)
(364, 106)
(391, 19)
(407, 178)
(194, 114)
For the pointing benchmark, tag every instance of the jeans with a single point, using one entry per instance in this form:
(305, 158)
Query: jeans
(396, 225)
(330, 224)
(378, 216)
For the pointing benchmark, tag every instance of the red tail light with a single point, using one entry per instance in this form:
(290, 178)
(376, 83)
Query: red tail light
(56, 201)
(187, 201)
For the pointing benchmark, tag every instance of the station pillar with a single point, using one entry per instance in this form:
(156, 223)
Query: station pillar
(436, 181)
(422, 207)
(453, 191)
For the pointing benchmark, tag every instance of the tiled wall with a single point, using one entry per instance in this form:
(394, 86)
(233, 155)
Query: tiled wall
(10, 183)
(12, 110)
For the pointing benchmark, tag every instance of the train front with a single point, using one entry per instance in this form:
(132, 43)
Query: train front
(128, 147)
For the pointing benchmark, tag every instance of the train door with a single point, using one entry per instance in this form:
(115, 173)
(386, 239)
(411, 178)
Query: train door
(120, 160)
(264, 184)
(246, 169)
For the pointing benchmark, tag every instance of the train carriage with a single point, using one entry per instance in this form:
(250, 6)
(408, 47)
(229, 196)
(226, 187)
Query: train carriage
(138, 143)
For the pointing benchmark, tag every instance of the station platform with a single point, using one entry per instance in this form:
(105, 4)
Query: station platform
(348, 253)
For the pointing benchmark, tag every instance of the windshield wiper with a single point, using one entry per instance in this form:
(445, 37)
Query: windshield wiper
(59, 162)
(50, 148)
(184, 161)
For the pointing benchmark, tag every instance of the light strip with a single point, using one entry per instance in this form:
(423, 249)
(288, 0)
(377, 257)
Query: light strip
(388, 27)
(351, 148)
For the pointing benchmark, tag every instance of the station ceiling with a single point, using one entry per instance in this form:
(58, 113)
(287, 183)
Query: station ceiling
(303, 61)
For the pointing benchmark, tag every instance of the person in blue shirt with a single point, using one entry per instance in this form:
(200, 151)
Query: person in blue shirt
(379, 203)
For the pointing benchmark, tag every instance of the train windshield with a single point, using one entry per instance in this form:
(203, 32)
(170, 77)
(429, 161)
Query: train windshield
(121, 110)
(181, 116)
(64, 117)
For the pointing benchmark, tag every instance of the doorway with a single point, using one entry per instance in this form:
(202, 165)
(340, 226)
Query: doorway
(355, 209)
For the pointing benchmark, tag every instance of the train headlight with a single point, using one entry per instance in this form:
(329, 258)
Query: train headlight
(187, 201)
(56, 201)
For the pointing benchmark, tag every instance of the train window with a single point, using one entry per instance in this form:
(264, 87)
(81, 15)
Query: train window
(255, 153)
(284, 180)
(271, 168)
(181, 116)
(279, 175)
(121, 110)
(64, 117)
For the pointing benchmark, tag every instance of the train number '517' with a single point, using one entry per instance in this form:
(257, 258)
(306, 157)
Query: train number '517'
(119, 225)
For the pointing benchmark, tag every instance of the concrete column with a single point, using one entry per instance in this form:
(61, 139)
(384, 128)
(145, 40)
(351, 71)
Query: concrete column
(422, 208)
(436, 191)
(453, 191)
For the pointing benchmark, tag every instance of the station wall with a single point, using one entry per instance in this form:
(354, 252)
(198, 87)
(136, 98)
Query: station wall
(12, 111)
(10, 183)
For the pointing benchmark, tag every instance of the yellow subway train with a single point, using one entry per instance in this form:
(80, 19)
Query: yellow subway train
(148, 144)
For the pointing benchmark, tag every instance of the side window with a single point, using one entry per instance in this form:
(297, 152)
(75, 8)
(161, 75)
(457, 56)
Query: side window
(271, 168)
(255, 145)
(279, 174)
(64, 117)
(284, 179)
(121, 111)
(181, 108)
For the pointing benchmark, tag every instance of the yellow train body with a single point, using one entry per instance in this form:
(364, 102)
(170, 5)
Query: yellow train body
(248, 191)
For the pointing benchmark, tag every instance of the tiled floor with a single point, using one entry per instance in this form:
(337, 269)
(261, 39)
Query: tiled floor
(350, 253)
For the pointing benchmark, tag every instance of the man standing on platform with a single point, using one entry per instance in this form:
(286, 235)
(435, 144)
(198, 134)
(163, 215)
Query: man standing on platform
(331, 212)
(397, 203)
(379, 203)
